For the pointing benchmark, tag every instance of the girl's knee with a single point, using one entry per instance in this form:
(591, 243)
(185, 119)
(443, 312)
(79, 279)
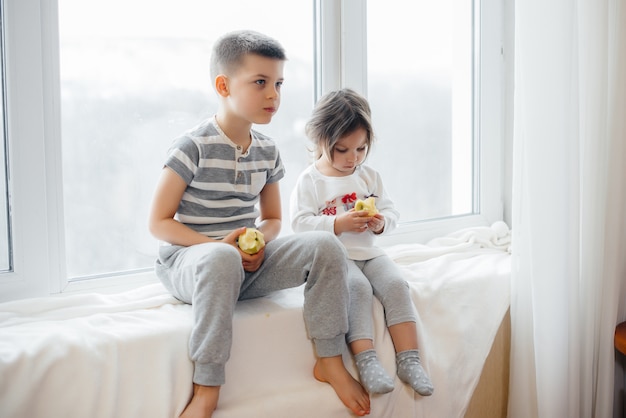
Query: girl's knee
(393, 290)
(399, 285)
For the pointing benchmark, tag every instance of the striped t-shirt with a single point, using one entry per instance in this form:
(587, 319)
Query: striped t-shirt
(223, 182)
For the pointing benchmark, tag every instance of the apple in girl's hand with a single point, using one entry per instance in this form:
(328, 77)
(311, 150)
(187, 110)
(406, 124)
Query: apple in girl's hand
(251, 241)
(368, 204)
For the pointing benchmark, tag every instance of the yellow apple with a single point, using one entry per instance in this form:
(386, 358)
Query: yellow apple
(251, 241)
(368, 204)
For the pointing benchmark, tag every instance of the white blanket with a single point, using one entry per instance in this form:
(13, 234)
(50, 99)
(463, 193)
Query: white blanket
(125, 355)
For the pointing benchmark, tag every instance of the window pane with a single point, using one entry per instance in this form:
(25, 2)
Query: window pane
(5, 236)
(134, 75)
(420, 88)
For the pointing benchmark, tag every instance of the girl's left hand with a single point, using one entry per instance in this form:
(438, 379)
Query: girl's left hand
(376, 224)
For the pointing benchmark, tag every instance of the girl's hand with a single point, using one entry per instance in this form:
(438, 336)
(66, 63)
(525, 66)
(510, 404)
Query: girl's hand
(377, 223)
(352, 221)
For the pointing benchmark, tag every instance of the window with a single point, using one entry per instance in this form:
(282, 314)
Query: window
(31, 273)
(6, 261)
(101, 97)
(129, 88)
(422, 104)
(5, 235)
(434, 80)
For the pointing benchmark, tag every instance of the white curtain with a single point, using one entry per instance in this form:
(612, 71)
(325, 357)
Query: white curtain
(569, 206)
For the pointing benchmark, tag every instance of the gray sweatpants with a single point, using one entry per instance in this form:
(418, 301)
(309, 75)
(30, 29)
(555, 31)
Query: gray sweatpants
(211, 278)
(381, 276)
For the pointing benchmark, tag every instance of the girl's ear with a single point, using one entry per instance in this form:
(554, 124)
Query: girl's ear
(221, 85)
(328, 154)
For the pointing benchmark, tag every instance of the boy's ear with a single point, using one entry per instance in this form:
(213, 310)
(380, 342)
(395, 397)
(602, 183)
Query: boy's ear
(221, 85)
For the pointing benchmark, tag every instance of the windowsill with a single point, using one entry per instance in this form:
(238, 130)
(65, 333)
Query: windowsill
(422, 232)
(111, 284)
(410, 233)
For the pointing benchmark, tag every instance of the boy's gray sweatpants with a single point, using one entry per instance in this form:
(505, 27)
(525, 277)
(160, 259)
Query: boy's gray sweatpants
(211, 278)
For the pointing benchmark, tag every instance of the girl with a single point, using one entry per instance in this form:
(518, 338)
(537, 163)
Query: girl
(324, 199)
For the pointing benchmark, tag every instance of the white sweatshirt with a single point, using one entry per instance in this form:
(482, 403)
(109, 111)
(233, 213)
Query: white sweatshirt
(318, 199)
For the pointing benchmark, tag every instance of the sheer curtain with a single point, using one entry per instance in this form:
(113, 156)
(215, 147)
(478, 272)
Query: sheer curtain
(569, 206)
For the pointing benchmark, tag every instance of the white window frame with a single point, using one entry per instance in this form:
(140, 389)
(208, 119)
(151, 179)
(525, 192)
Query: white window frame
(34, 135)
(26, 147)
(346, 21)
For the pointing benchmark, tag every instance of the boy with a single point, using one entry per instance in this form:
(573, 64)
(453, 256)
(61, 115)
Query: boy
(207, 194)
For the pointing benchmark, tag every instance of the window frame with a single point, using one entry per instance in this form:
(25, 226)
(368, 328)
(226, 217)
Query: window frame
(34, 135)
(346, 21)
(26, 155)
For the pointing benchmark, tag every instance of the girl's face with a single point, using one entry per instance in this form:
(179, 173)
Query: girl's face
(349, 152)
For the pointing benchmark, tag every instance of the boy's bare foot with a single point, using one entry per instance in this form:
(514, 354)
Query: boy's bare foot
(202, 403)
(332, 370)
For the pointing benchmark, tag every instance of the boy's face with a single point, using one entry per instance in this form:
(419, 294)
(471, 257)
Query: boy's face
(254, 89)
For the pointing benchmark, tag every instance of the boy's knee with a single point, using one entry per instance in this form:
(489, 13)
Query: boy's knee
(326, 244)
(227, 250)
(218, 258)
(219, 250)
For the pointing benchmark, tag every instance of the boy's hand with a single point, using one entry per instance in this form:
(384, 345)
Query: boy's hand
(232, 237)
(252, 262)
(249, 262)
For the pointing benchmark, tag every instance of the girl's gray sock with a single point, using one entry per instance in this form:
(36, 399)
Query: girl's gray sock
(411, 372)
(373, 376)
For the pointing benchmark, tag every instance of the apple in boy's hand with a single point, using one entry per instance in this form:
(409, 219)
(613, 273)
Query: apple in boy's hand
(251, 241)
(368, 204)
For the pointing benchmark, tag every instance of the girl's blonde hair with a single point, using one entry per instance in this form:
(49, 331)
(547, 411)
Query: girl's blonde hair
(337, 114)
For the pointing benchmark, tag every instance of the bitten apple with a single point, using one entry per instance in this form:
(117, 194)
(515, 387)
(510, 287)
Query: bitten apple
(251, 241)
(368, 204)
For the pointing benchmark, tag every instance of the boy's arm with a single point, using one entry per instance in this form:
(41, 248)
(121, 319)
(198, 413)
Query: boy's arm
(271, 212)
(167, 196)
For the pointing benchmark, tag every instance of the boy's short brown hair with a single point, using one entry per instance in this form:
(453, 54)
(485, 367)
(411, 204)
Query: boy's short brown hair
(229, 50)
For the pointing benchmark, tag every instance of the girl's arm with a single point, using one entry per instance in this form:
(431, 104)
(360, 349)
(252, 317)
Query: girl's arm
(305, 213)
(385, 206)
(304, 209)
